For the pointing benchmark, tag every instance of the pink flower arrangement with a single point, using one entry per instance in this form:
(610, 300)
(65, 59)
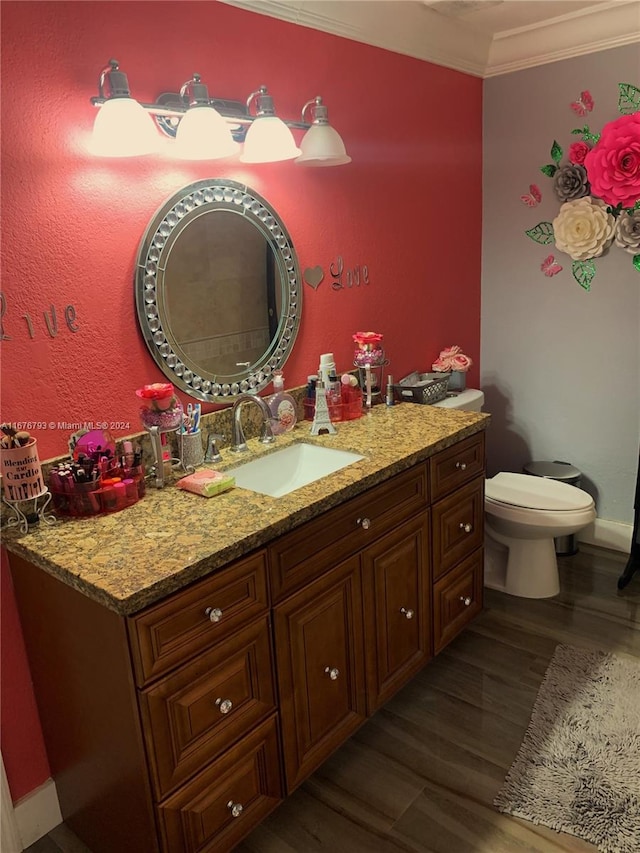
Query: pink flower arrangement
(366, 340)
(599, 191)
(452, 358)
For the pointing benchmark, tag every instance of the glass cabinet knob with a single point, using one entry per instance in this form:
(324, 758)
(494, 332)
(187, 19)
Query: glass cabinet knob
(225, 705)
(236, 809)
(407, 613)
(365, 523)
(332, 672)
(461, 466)
(214, 613)
(466, 527)
(466, 600)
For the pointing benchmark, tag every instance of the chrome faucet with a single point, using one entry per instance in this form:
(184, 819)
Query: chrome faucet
(239, 443)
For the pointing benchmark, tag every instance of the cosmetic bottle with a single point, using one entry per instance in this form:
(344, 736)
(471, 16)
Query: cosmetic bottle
(326, 367)
(282, 406)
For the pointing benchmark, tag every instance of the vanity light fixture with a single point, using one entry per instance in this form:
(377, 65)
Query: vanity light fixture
(209, 128)
(268, 139)
(321, 145)
(122, 127)
(202, 133)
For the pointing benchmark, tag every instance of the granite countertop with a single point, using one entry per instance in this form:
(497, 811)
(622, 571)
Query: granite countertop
(130, 559)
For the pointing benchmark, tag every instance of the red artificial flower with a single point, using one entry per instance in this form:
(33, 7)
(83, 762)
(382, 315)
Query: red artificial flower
(613, 165)
(577, 152)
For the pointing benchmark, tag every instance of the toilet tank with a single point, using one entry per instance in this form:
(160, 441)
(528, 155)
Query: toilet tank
(470, 400)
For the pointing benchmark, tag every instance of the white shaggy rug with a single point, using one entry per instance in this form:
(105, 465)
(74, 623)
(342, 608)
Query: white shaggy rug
(578, 768)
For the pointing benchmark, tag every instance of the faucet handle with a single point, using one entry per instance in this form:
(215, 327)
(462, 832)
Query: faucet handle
(213, 454)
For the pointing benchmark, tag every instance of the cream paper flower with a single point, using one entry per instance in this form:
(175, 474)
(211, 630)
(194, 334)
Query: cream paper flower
(583, 228)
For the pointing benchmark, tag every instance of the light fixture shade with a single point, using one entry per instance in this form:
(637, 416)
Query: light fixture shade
(123, 129)
(204, 135)
(268, 140)
(322, 145)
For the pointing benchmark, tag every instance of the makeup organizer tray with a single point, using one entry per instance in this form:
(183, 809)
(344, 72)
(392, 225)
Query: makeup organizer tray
(116, 488)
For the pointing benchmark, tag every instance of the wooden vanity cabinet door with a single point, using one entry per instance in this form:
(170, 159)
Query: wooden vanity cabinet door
(192, 715)
(457, 599)
(458, 526)
(396, 585)
(319, 654)
(215, 810)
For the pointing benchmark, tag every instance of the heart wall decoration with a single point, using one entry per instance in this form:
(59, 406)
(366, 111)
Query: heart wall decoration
(313, 276)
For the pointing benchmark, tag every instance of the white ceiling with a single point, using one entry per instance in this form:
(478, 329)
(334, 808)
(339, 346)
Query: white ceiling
(480, 37)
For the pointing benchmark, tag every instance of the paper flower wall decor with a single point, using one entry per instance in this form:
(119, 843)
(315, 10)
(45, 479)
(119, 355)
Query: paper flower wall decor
(451, 358)
(598, 187)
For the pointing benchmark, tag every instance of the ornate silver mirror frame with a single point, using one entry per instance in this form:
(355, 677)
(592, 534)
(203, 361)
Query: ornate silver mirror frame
(151, 288)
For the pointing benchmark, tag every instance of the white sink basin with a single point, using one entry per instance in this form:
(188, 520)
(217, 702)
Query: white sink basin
(286, 470)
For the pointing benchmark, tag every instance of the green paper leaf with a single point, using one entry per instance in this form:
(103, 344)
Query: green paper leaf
(636, 262)
(586, 134)
(556, 152)
(584, 272)
(628, 98)
(549, 170)
(542, 233)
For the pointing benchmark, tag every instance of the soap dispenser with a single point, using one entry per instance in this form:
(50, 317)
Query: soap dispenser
(282, 406)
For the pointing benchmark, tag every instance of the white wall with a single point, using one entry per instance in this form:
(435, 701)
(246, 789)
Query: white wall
(560, 366)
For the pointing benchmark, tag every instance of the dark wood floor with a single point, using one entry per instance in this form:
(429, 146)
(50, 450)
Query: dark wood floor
(422, 773)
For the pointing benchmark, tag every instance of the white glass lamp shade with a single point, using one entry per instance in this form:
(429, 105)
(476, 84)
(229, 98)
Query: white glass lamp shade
(123, 129)
(268, 140)
(204, 135)
(322, 146)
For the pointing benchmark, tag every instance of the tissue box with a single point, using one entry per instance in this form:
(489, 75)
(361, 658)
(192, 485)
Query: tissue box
(207, 482)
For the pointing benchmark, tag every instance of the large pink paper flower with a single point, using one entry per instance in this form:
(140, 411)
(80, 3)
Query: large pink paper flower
(613, 165)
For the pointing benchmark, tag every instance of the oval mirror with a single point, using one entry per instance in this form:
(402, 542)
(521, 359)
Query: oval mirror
(218, 290)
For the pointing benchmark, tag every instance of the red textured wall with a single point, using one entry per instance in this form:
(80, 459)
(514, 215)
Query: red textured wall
(409, 206)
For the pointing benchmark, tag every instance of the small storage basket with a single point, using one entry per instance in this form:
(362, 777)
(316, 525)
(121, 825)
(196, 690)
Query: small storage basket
(425, 388)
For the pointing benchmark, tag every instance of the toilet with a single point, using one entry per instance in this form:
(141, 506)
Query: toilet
(523, 516)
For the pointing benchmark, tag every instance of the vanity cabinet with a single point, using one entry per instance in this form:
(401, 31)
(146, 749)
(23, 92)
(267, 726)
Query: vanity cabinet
(179, 728)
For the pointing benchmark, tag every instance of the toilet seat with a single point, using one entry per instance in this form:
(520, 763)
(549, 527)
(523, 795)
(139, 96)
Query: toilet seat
(535, 493)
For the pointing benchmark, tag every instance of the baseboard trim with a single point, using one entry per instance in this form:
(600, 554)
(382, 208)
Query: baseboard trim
(37, 813)
(607, 534)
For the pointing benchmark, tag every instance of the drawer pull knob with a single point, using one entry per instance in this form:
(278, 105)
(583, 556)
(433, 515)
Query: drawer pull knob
(466, 599)
(332, 672)
(466, 527)
(461, 465)
(214, 613)
(235, 808)
(407, 613)
(365, 523)
(225, 705)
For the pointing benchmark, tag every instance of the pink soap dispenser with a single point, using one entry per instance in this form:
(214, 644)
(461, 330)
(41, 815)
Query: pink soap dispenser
(282, 406)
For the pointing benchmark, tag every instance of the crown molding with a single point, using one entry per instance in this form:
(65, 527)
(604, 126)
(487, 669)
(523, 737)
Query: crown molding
(416, 30)
(589, 30)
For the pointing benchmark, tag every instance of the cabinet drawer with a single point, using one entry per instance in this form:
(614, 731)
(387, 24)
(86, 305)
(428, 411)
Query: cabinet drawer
(458, 526)
(194, 714)
(457, 599)
(306, 552)
(455, 466)
(170, 633)
(219, 807)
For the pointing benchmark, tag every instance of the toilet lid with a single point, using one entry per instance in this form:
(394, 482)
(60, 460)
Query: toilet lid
(535, 492)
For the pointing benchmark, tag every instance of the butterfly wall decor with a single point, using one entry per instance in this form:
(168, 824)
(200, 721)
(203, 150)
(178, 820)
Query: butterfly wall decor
(533, 197)
(550, 266)
(584, 104)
